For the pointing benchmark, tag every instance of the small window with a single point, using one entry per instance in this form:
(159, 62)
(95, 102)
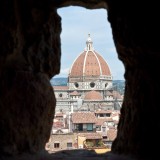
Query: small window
(98, 128)
(108, 114)
(79, 127)
(90, 127)
(76, 84)
(60, 95)
(69, 145)
(106, 84)
(103, 129)
(56, 145)
(92, 84)
(101, 115)
(104, 137)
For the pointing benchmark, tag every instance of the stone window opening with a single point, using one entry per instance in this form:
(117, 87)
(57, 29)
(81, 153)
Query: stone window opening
(76, 85)
(98, 128)
(56, 145)
(91, 85)
(69, 145)
(60, 95)
(89, 127)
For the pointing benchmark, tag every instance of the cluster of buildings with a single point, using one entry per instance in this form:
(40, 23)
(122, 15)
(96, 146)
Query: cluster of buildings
(88, 108)
(85, 130)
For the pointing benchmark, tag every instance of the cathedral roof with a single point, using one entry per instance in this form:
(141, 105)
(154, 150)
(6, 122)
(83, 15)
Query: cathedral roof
(93, 95)
(89, 63)
(75, 93)
(117, 95)
(60, 87)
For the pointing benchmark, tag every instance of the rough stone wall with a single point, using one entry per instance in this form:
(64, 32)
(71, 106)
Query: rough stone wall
(136, 33)
(29, 57)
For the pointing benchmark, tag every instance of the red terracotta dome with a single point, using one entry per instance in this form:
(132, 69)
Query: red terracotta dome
(89, 63)
(93, 95)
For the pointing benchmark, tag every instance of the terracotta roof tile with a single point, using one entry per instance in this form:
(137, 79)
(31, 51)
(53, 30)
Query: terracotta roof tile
(58, 124)
(93, 95)
(111, 134)
(100, 121)
(84, 117)
(74, 93)
(60, 87)
(89, 63)
(117, 95)
(109, 93)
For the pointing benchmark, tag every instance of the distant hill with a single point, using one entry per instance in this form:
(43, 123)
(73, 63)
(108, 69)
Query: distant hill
(59, 81)
(119, 85)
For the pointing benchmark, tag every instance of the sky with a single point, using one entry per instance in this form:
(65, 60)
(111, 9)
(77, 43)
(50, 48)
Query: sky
(77, 23)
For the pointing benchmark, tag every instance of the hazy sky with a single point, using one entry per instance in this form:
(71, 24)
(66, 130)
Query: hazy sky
(77, 23)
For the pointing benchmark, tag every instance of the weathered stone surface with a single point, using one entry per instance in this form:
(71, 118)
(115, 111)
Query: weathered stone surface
(30, 56)
(78, 154)
(27, 105)
(137, 46)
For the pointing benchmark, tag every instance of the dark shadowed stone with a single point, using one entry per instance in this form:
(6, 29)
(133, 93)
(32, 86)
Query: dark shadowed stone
(27, 113)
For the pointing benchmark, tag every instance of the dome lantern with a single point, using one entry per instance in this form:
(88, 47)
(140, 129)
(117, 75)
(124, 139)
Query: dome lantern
(89, 44)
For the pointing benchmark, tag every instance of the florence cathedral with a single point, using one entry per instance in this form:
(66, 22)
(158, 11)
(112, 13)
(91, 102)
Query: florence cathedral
(89, 85)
